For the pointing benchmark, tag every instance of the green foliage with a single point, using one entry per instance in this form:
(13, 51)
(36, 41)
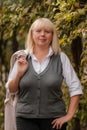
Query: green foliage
(69, 23)
(83, 74)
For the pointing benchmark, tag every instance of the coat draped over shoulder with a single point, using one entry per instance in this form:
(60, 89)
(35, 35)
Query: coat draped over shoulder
(11, 98)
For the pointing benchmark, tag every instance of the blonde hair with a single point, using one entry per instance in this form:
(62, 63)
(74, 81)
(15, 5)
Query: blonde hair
(42, 22)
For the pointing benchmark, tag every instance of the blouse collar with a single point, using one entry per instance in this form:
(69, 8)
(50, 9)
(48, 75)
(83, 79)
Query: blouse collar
(50, 53)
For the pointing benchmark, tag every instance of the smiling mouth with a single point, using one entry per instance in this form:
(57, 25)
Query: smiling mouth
(42, 39)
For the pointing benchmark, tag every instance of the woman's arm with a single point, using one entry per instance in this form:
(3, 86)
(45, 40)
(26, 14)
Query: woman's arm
(13, 84)
(22, 66)
(75, 89)
(74, 101)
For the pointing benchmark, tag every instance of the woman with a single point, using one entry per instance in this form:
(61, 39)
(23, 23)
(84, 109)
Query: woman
(38, 81)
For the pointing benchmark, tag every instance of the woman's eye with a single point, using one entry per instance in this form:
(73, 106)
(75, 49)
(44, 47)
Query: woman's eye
(38, 30)
(47, 31)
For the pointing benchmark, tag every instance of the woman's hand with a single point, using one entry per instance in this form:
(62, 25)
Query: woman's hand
(22, 66)
(58, 122)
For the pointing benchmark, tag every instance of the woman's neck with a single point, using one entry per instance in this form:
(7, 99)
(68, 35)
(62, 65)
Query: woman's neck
(40, 53)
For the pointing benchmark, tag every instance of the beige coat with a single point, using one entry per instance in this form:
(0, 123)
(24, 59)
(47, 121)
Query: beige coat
(11, 99)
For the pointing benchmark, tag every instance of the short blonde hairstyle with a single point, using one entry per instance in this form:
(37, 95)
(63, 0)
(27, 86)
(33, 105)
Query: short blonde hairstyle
(42, 22)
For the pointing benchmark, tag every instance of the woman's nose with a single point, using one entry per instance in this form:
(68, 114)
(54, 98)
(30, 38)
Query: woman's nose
(42, 32)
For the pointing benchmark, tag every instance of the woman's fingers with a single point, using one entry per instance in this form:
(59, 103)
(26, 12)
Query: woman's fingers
(22, 60)
(22, 66)
(57, 123)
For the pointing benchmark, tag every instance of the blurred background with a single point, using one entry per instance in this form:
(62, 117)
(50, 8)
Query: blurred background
(70, 19)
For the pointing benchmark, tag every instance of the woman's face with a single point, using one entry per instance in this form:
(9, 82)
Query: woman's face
(42, 36)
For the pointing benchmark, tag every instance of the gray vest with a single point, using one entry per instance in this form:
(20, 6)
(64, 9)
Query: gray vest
(40, 95)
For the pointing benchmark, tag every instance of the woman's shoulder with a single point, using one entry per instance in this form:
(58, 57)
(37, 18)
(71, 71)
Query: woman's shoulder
(63, 56)
(65, 59)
